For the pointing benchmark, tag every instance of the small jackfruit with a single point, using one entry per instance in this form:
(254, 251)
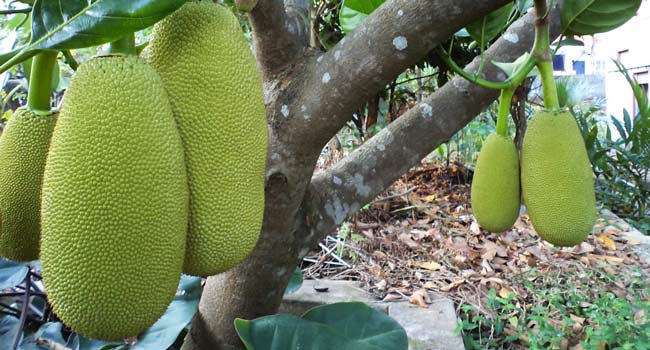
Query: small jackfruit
(557, 179)
(23, 149)
(210, 74)
(495, 193)
(115, 201)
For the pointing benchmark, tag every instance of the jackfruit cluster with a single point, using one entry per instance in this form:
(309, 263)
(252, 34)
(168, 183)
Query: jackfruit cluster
(495, 196)
(155, 166)
(557, 180)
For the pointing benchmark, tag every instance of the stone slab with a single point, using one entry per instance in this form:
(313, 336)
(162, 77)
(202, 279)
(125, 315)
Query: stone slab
(432, 328)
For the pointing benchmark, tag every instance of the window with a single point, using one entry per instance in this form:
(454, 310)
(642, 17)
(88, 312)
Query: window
(558, 62)
(579, 67)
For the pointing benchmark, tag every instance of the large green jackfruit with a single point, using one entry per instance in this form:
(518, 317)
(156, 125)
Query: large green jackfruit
(115, 201)
(23, 149)
(557, 179)
(210, 75)
(495, 193)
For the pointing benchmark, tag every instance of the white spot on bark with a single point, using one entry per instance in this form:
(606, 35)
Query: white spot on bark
(337, 55)
(319, 59)
(381, 147)
(303, 108)
(337, 211)
(285, 111)
(281, 271)
(400, 43)
(359, 184)
(511, 37)
(275, 156)
(306, 117)
(427, 110)
(400, 13)
(326, 78)
(337, 180)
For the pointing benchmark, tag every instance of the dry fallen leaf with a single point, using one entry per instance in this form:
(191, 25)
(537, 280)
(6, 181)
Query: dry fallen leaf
(505, 292)
(392, 297)
(408, 240)
(420, 298)
(606, 242)
(452, 285)
(428, 265)
(610, 259)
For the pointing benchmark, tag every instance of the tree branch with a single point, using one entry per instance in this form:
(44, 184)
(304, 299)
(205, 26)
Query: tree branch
(278, 34)
(329, 88)
(361, 176)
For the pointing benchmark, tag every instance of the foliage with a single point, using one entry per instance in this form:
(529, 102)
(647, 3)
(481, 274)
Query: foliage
(587, 17)
(620, 154)
(563, 317)
(335, 326)
(41, 330)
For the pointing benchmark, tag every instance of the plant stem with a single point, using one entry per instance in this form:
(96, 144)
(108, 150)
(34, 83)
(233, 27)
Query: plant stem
(15, 11)
(511, 83)
(69, 59)
(504, 111)
(124, 46)
(40, 81)
(543, 56)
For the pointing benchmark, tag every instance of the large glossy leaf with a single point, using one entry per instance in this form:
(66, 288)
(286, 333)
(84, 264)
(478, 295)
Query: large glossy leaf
(11, 273)
(9, 326)
(50, 331)
(71, 24)
(344, 326)
(490, 26)
(354, 12)
(586, 17)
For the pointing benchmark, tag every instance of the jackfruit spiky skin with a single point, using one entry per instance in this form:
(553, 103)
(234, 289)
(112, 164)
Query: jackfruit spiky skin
(210, 75)
(495, 192)
(557, 179)
(23, 150)
(115, 201)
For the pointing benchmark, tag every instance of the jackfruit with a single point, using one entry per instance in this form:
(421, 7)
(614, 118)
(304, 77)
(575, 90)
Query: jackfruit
(23, 149)
(210, 74)
(114, 202)
(557, 179)
(495, 193)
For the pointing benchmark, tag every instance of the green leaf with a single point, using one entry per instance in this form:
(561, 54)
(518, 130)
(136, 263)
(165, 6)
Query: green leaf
(587, 17)
(11, 273)
(362, 323)
(344, 326)
(295, 282)
(84, 23)
(354, 12)
(490, 26)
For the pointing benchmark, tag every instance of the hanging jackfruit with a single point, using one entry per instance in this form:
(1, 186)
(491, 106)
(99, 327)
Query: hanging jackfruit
(23, 149)
(557, 179)
(210, 75)
(115, 201)
(495, 196)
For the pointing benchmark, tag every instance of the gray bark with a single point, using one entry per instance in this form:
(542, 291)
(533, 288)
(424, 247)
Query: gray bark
(309, 97)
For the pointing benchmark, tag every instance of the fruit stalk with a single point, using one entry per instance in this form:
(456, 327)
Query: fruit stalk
(504, 111)
(543, 56)
(124, 46)
(40, 87)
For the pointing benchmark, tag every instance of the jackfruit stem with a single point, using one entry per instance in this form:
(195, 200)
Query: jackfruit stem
(543, 55)
(40, 81)
(124, 46)
(504, 111)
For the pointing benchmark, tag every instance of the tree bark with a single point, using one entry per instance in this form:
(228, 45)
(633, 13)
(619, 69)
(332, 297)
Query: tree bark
(309, 96)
